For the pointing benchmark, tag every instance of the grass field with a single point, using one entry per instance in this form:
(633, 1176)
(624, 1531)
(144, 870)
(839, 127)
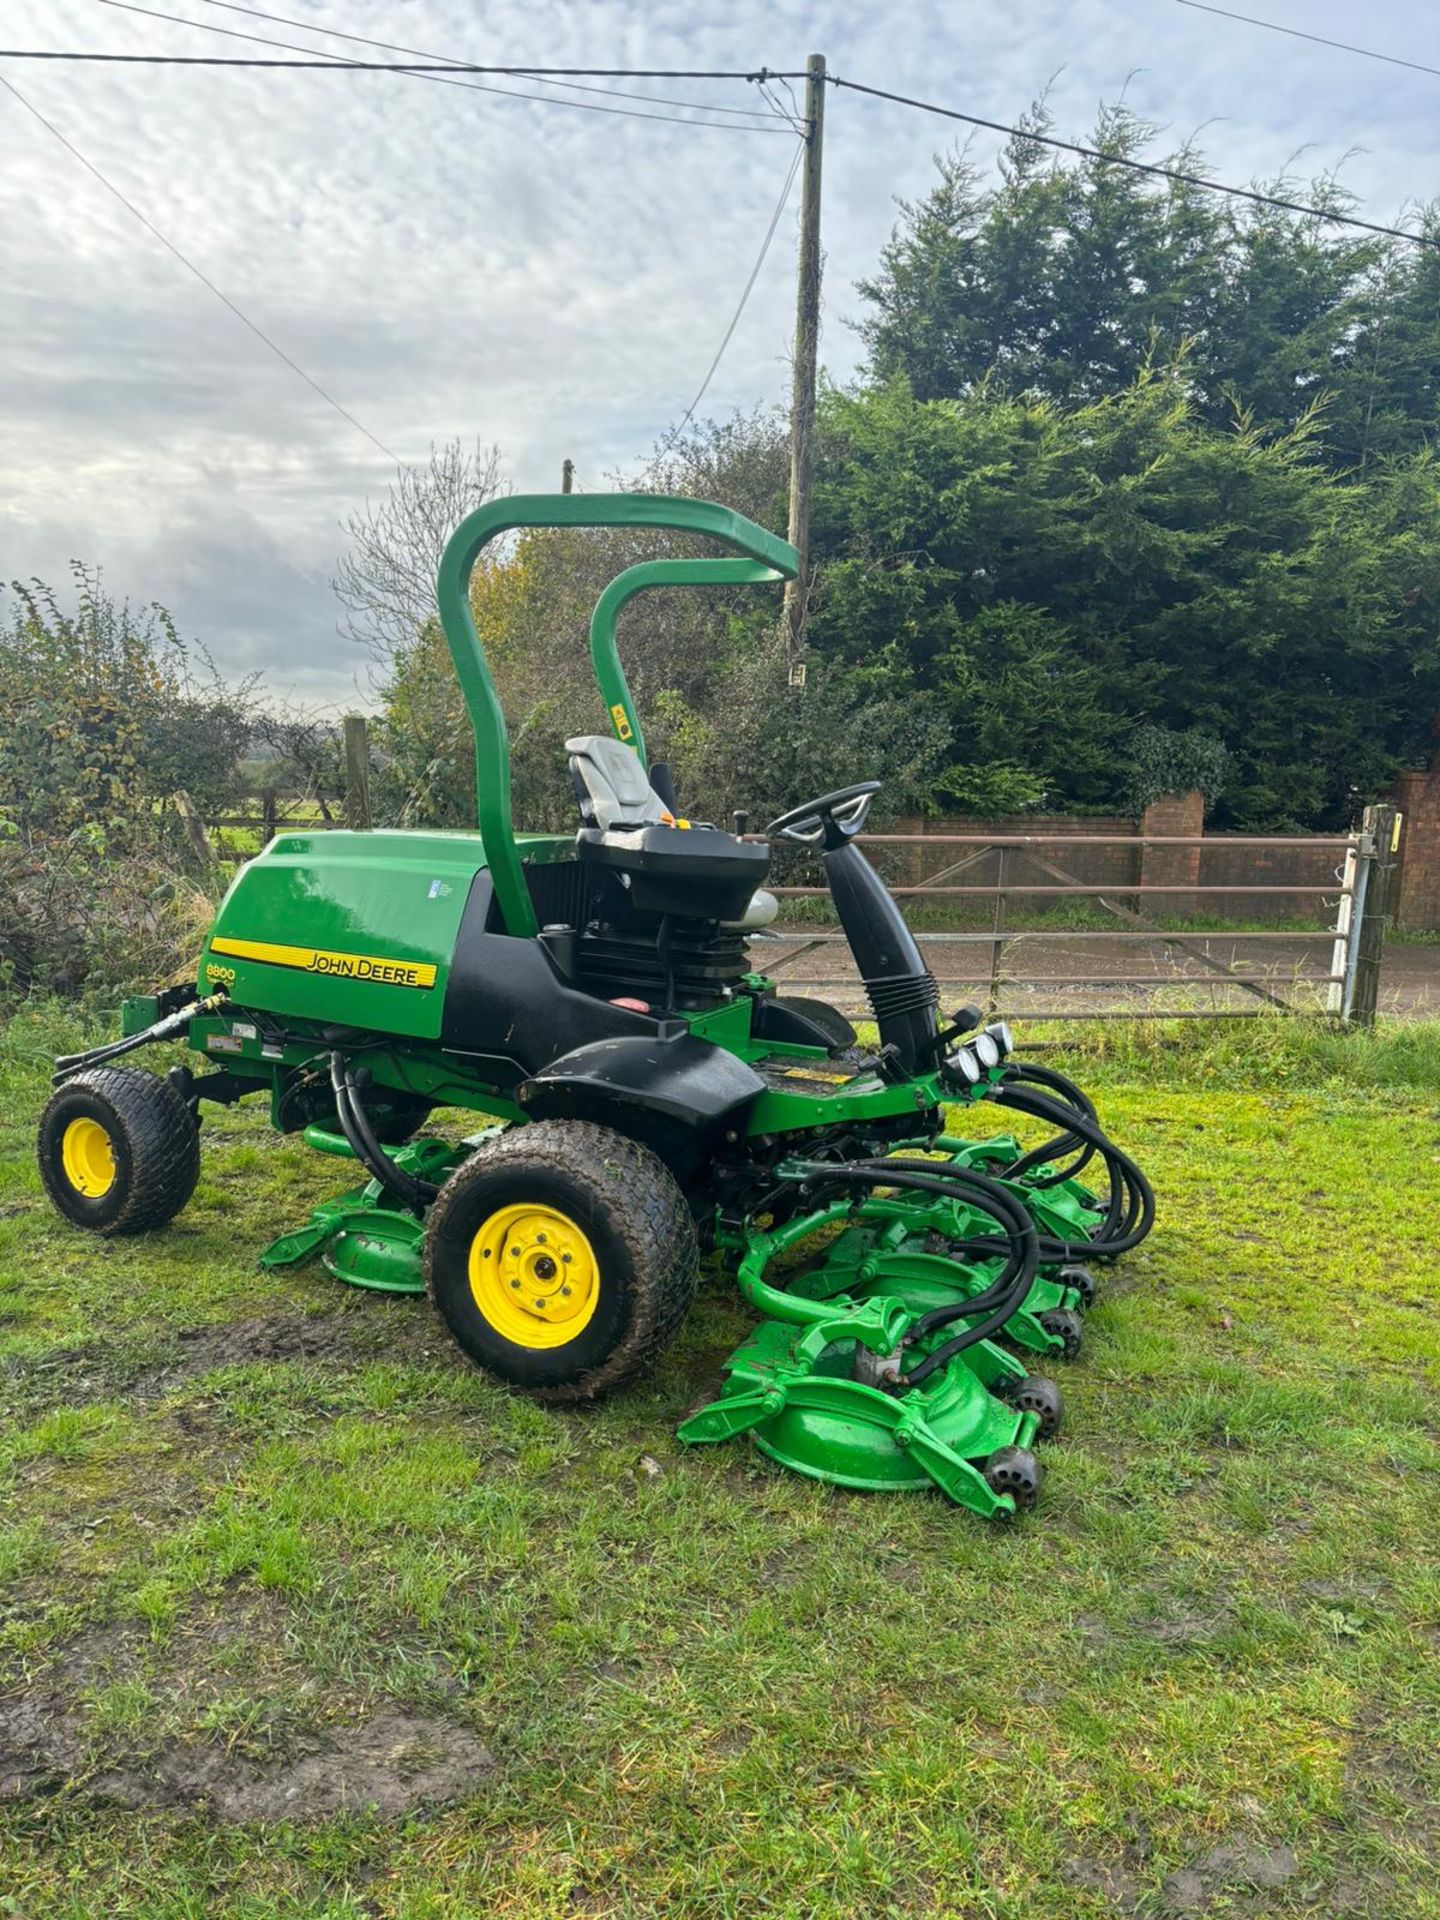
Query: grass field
(269, 1548)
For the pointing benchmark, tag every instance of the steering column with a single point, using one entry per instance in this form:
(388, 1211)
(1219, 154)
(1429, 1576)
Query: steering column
(898, 985)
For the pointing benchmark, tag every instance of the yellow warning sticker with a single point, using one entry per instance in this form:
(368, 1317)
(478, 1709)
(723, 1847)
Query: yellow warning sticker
(623, 728)
(342, 966)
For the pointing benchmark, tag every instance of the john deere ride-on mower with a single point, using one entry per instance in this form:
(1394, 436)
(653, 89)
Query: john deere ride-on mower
(649, 1095)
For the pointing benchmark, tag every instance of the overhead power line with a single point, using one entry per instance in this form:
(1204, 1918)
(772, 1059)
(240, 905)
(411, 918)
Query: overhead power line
(1318, 39)
(447, 72)
(204, 279)
(420, 53)
(728, 335)
(342, 63)
(601, 73)
(1325, 214)
(390, 46)
(445, 76)
(332, 63)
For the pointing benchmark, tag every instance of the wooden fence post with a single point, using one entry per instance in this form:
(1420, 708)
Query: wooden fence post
(357, 772)
(1379, 846)
(267, 816)
(194, 828)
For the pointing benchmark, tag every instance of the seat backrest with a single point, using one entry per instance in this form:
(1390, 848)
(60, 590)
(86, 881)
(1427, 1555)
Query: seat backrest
(618, 786)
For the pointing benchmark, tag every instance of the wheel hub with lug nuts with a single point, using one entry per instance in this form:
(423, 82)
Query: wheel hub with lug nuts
(534, 1275)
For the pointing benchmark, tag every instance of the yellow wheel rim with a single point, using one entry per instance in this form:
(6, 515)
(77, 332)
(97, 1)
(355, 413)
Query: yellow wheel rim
(534, 1275)
(88, 1158)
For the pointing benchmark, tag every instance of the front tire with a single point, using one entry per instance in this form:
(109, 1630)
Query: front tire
(562, 1257)
(119, 1151)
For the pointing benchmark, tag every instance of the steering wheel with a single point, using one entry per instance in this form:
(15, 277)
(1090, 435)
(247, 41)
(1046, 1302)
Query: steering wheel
(832, 819)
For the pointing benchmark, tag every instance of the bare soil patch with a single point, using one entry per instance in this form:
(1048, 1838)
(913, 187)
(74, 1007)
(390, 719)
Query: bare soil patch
(375, 1328)
(307, 1762)
(384, 1765)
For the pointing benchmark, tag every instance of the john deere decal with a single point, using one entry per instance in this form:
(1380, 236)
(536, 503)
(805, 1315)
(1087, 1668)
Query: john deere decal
(343, 966)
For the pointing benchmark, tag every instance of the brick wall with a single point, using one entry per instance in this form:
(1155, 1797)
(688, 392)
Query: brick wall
(1231, 860)
(1417, 795)
(1225, 860)
(1091, 866)
(1172, 815)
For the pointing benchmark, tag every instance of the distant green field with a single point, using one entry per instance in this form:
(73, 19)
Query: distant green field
(265, 1539)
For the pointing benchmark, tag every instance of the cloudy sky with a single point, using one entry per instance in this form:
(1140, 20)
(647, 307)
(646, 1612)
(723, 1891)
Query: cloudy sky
(451, 262)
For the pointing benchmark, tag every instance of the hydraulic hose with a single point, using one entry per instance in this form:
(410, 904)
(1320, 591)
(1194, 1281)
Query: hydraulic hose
(886, 1174)
(1056, 1082)
(415, 1194)
(1021, 1245)
(1005, 1294)
(1006, 1290)
(1124, 1203)
(1050, 1079)
(1131, 1212)
(69, 1064)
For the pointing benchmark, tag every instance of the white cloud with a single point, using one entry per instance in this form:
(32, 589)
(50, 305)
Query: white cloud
(447, 262)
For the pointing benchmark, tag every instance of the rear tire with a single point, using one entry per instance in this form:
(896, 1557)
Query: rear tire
(562, 1257)
(119, 1150)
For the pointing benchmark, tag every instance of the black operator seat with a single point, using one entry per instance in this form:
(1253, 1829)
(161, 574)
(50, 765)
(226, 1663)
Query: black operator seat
(698, 872)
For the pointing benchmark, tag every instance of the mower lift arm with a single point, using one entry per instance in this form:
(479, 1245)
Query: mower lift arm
(492, 749)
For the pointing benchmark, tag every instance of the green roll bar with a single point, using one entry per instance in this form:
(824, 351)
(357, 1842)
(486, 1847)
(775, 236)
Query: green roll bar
(771, 557)
(604, 651)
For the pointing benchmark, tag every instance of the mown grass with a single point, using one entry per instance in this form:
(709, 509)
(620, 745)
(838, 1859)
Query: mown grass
(243, 1510)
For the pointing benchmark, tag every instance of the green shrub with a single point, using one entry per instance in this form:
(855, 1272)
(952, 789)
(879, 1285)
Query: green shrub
(107, 713)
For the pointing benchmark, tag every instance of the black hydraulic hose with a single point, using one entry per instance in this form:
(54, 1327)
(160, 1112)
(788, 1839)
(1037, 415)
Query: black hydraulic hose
(885, 1173)
(1108, 1237)
(69, 1064)
(1047, 1154)
(415, 1194)
(987, 1196)
(1065, 1144)
(1025, 1241)
(1130, 1190)
(1124, 1203)
(1056, 1082)
(1032, 1073)
(1004, 1295)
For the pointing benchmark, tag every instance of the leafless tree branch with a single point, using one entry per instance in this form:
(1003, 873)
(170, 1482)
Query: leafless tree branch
(386, 580)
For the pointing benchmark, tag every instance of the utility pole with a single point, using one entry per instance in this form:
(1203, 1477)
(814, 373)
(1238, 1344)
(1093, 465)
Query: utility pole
(807, 345)
(357, 772)
(567, 477)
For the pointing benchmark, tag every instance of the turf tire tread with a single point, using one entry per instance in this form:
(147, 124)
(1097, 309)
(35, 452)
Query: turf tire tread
(163, 1139)
(648, 1212)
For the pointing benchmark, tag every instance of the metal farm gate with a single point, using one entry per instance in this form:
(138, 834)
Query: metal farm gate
(1237, 926)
